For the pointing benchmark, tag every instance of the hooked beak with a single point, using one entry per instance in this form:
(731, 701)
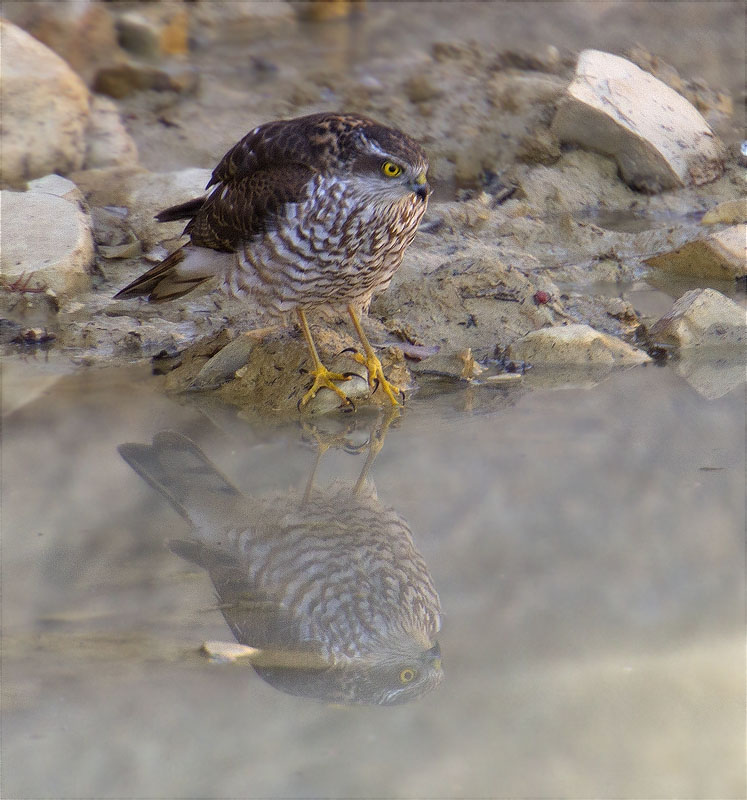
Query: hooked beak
(435, 654)
(421, 187)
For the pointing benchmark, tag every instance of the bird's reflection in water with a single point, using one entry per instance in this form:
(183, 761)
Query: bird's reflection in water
(325, 582)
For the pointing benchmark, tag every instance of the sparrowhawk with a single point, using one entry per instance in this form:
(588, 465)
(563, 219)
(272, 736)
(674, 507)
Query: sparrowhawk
(308, 213)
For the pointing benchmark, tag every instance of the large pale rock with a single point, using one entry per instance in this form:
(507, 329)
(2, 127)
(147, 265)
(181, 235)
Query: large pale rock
(575, 345)
(57, 186)
(47, 239)
(45, 110)
(721, 256)
(81, 33)
(702, 318)
(659, 140)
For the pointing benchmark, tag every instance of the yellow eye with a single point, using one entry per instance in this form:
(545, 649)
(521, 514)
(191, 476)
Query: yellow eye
(406, 675)
(391, 170)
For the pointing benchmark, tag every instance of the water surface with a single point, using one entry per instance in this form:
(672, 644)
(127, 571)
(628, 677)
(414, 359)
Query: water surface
(587, 545)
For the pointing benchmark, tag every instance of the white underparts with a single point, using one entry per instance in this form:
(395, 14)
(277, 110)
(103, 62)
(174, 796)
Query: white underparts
(340, 245)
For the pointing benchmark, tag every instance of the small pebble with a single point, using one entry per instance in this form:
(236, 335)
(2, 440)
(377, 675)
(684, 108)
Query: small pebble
(226, 652)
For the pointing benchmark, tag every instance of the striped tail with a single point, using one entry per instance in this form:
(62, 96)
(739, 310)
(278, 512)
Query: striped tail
(166, 281)
(180, 471)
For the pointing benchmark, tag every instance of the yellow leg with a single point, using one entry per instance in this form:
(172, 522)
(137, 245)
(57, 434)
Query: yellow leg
(323, 378)
(373, 365)
(375, 443)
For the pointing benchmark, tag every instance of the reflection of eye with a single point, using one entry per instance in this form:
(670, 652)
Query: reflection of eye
(391, 170)
(406, 675)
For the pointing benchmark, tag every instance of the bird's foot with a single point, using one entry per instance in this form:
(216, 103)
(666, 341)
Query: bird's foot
(376, 377)
(324, 379)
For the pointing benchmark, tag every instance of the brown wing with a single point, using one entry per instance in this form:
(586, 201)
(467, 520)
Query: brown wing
(244, 206)
(311, 141)
(254, 180)
(260, 174)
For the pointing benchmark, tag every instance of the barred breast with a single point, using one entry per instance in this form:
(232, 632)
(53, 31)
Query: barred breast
(348, 568)
(334, 248)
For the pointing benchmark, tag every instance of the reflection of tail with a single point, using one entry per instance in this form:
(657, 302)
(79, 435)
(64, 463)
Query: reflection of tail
(180, 471)
(172, 278)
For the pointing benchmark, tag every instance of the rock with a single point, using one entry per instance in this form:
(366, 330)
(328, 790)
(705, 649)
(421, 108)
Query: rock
(324, 10)
(82, 34)
(57, 186)
(575, 345)
(539, 147)
(108, 186)
(577, 181)
(227, 652)
(276, 375)
(712, 377)
(518, 92)
(141, 195)
(702, 318)
(715, 106)
(122, 80)
(129, 249)
(108, 143)
(658, 139)
(729, 212)
(720, 256)
(224, 365)
(420, 89)
(154, 31)
(549, 59)
(47, 241)
(458, 365)
(110, 227)
(504, 379)
(45, 110)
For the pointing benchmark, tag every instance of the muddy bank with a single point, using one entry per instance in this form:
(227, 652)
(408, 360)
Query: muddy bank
(531, 227)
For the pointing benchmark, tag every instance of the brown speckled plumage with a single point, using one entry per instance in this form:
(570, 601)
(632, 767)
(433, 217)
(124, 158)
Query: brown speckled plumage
(299, 215)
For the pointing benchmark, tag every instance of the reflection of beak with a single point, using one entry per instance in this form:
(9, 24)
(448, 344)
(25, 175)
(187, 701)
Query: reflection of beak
(421, 187)
(435, 654)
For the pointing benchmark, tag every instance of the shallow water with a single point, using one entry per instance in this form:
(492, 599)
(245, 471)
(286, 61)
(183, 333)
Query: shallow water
(587, 545)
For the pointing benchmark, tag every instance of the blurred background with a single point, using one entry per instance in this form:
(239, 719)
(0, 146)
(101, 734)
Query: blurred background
(586, 540)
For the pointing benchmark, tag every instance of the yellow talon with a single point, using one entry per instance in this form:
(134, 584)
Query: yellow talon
(372, 363)
(376, 376)
(324, 379)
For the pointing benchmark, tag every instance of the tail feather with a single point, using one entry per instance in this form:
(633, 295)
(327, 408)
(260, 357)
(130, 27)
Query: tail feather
(164, 281)
(175, 467)
(182, 211)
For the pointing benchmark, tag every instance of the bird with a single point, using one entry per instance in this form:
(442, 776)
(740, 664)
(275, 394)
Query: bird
(314, 212)
(326, 584)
